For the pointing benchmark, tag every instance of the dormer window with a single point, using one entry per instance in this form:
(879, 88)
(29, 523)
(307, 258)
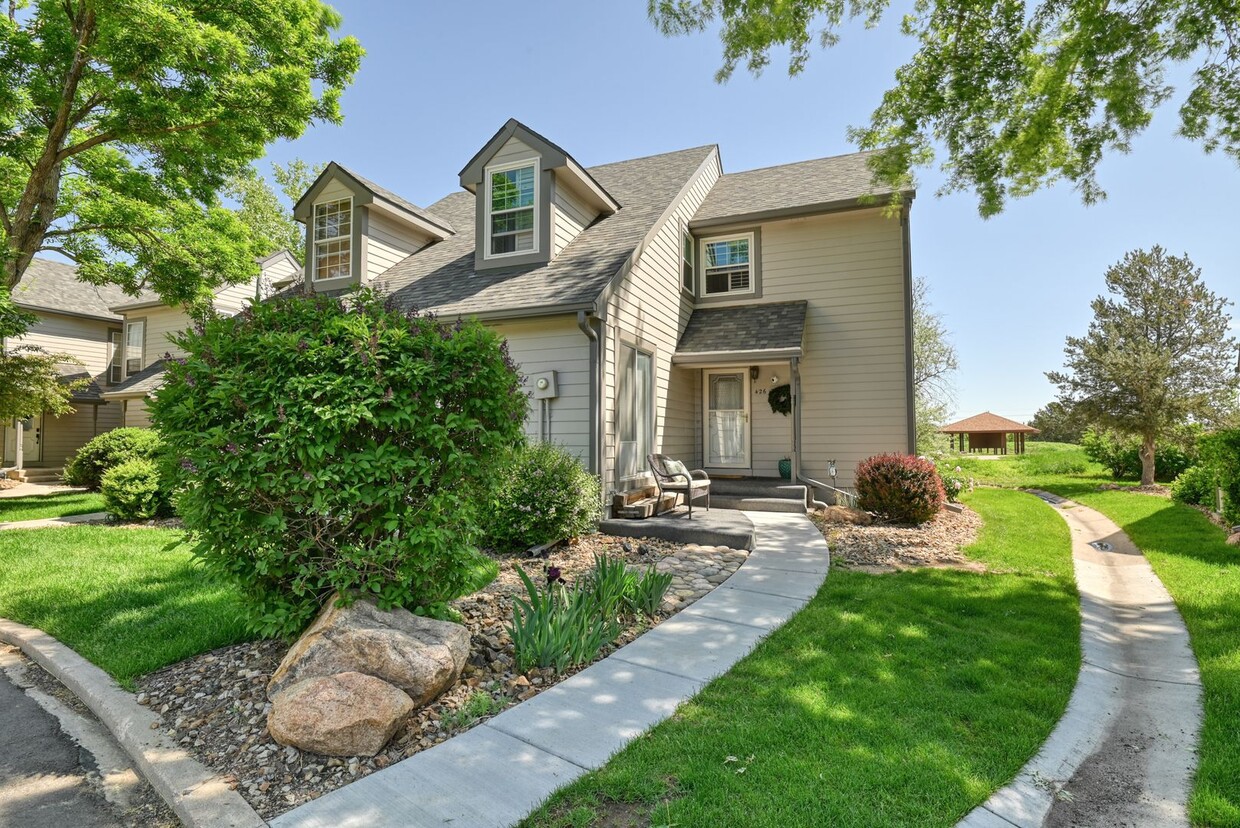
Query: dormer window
(333, 239)
(512, 196)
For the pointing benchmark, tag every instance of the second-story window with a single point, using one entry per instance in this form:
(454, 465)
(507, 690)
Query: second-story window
(727, 265)
(333, 239)
(512, 196)
(686, 261)
(115, 355)
(135, 341)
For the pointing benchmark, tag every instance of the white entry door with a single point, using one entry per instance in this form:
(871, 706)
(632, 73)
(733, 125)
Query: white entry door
(727, 419)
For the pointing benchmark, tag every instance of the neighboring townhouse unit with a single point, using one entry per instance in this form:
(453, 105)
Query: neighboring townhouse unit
(149, 324)
(657, 304)
(72, 318)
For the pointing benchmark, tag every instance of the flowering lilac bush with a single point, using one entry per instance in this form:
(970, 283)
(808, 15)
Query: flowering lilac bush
(542, 495)
(323, 444)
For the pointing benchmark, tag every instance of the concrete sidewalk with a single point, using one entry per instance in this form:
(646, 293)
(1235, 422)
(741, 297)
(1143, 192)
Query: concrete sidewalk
(496, 773)
(1124, 752)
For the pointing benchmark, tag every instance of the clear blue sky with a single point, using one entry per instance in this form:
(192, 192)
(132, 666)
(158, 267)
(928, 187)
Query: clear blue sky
(439, 79)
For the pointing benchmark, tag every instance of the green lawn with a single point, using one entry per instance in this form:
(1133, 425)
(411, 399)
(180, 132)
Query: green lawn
(901, 699)
(58, 504)
(129, 600)
(1202, 573)
(1062, 464)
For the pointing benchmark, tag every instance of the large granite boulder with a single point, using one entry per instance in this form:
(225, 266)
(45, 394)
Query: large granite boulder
(349, 714)
(421, 656)
(1234, 538)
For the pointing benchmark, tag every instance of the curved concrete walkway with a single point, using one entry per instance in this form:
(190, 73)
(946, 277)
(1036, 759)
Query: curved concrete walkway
(1124, 752)
(496, 773)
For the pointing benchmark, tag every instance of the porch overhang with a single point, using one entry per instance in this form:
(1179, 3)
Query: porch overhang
(769, 332)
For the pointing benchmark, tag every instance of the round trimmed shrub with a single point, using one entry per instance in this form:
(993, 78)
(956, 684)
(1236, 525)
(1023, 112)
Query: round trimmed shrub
(333, 444)
(133, 491)
(542, 495)
(899, 488)
(108, 450)
(1195, 485)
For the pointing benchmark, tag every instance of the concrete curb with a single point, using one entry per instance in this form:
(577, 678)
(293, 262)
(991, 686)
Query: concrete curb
(45, 523)
(199, 798)
(1108, 686)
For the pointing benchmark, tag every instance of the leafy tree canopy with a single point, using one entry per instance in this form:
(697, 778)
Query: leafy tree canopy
(1058, 422)
(121, 121)
(934, 364)
(270, 220)
(1156, 354)
(1019, 96)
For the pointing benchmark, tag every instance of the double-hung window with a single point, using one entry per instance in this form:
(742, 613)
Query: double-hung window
(686, 261)
(333, 239)
(511, 200)
(116, 355)
(727, 265)
(634, 411)
(135, 341)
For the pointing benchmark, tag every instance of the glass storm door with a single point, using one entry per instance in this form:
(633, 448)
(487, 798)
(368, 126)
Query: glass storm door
(727, 419)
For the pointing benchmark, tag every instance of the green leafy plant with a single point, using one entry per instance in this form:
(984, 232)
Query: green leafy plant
(1195, 485)
(480, 704)
(110, 449)
(334, 444)
(900, 488)
(645, 593)
(1221, 452)
(542, 495)
(134, 490)
(558, 627)
(1121, 455)
(609, 582)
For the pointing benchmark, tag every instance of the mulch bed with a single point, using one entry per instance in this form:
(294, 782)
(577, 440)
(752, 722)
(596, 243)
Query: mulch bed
(883, 548)
(215, 705)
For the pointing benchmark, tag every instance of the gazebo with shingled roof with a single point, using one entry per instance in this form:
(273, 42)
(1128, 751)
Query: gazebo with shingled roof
(988, 433)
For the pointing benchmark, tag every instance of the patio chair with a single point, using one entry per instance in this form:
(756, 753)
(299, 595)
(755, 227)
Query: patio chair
(672, 476)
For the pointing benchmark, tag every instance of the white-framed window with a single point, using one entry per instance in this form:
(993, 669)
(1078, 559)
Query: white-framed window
(135, 344)
(116, 351)
(686, 260)
(634, 410)
(727, 264)
(512, 209)
(333, 239)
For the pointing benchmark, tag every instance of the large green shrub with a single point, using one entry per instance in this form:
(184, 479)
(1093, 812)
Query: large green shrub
(1195, 485)
(1121, 456)
(1221, 453)
(900, 488)
(110, 449)
(324, 444)
(542, 495)
(133, 491)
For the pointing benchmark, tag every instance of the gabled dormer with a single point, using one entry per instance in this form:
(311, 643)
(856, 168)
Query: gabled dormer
(532, 199)
(355, 229)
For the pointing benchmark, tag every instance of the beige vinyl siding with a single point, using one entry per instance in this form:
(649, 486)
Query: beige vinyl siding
(649, 306)
(569, 215)
(232, 299)
(333, 190)
(853, 375)
(64, 435)
(387, 242)
(160, 323)
(279, 270)
(513, 150)
(85, 339)
(555, 344)
(136, 414)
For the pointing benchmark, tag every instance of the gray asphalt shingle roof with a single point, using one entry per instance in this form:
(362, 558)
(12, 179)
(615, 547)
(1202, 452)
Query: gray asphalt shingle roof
(442, 278)
(744, 328)
(146, 381)
(804, 184)
(54, 286)
(388, 195)
(88, 393)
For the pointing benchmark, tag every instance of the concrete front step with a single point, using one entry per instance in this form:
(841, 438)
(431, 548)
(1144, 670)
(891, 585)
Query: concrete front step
(764, 487)
(42, 475)
(757, 504)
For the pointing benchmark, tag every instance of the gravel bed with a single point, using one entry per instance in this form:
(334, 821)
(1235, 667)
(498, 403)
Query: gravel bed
(215, 705)
(890, 548)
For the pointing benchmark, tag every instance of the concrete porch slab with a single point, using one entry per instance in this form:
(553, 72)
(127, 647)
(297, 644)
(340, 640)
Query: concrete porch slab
(714, 527)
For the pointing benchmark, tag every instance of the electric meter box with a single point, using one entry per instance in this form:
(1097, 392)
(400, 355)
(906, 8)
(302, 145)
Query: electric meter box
(544, 386)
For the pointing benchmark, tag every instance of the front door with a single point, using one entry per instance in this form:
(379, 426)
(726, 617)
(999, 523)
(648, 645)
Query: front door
(727, 419)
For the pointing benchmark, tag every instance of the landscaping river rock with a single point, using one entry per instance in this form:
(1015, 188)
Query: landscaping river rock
(215, 705)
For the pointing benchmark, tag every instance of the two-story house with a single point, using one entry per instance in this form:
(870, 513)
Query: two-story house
(73, 318)
(657, 304)
(149, 324)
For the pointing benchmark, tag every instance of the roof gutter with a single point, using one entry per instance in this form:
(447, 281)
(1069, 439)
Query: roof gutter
(798, 211)
(710, 357)
(526, 313)
(62, 312)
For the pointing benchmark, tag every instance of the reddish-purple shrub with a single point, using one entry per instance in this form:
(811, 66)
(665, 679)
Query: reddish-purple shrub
(900, 488)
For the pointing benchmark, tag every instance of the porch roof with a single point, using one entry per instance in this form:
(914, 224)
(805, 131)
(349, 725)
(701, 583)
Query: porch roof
(769, 331)
(90, 393)
(146, 381)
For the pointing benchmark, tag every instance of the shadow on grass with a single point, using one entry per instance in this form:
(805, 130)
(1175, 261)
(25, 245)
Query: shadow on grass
(901, 699)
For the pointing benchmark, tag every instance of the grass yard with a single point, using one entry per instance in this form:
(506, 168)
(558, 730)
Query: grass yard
(1061, 464)
(129, 600)
(1202, 573)
(901, 699)
(58, 504)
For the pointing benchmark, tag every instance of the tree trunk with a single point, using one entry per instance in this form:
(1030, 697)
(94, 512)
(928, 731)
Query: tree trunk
(1147, 460)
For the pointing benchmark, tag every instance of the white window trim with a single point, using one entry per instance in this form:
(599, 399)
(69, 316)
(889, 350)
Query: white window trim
(700, 272)
(314, 243)
(486, 176)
